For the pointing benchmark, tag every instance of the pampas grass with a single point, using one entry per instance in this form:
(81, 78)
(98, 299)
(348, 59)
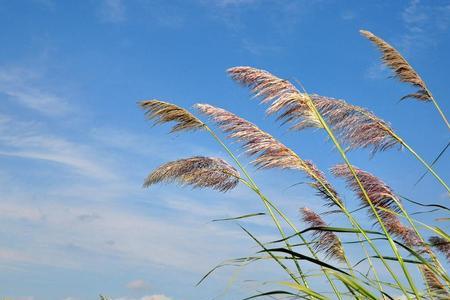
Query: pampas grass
(400, 245)
(269, 152)
(163, 112)
(402, 69)
(392, 58)
(441, 244)
(327, 241)
(199, 172)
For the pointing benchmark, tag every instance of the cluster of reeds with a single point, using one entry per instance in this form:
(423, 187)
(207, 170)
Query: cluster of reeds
(403, 254)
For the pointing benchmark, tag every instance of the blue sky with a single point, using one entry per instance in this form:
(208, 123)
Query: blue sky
(74, 147)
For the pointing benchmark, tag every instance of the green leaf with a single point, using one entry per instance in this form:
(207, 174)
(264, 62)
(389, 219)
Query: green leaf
(240, 217)
(270, 294)
(304, 257)
(303, 289)
(328, 228)
(355, 285)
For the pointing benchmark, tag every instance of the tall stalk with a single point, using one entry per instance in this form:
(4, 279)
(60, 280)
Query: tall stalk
(391, 242)
(256, 189)
(410, 149)
(268, 206)
(265, 200)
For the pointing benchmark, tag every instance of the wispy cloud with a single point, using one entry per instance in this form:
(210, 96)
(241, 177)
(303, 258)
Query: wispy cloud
(113, 11)
(423, 22)
(348, 15)
(116, 233)
(156, 297)
(377, 71)
(258, 48)
(22, 86)
(23, 139)
(225, 3)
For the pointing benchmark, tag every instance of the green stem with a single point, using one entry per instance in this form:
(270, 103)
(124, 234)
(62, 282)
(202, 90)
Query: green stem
(391, 242)
(371, 267)
(417, 156)
(268, 206)
(404, 144)
(254, 188)
(438, 108)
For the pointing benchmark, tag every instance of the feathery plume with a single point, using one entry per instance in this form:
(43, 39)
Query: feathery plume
(198, 171)
(441, 244)
(434, 284)
(354, 125)
(382, 198)
(327, 241)
(283, 95)
(164, 112)
(269, 152)
(406, 234)
(323, 187)
(402, 69)
(380, 194)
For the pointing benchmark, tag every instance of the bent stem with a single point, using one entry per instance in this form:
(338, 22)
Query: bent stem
(252, 186)
(438, 108)
(440, 272)
(366, 196)
(410, 149)
(429, 168)
(269, 205)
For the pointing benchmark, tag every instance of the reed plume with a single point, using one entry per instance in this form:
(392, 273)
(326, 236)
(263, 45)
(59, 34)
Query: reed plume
(437, 289)
(406, 234)
(283, 95)
(269, 152)
(163, 112)
(380, 194)
(327, 241)
(198, 171)
(381, 197)
(354, 125)
(441, 244)
(402, 69)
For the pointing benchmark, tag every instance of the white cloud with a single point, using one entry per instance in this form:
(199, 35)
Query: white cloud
(24, 139)
(118, 233)
(138, 284)
(113, 11)
(21, 86)
(423, 21)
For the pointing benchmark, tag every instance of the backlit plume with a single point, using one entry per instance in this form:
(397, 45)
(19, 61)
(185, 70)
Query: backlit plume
(402, 69)
(283, 95)
(199, 172)
(269, 152)
(354, 125)
(382, 198)
(163, 112)
(441, 244)
(436, 287)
